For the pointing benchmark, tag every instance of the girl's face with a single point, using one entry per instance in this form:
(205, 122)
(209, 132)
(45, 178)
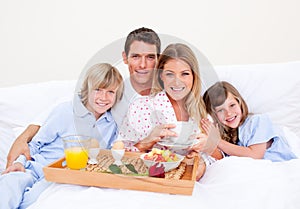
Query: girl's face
(178, 78)
(101, 100)
(229, 113)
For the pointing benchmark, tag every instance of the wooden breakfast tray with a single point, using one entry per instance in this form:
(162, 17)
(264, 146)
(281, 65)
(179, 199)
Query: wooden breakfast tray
(57, 172)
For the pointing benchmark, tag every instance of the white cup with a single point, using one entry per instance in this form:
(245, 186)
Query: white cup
(93, 153)
(184, 130)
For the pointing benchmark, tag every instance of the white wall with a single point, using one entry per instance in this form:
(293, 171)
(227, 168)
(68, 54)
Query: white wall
(53, 40)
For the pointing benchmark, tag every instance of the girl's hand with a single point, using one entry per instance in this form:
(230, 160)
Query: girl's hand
(202, 141)
(213, 134)
(14, 167)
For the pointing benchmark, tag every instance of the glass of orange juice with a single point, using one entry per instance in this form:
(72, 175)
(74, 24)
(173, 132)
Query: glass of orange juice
(76, 151)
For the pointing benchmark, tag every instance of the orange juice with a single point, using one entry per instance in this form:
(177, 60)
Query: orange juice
(76, 157)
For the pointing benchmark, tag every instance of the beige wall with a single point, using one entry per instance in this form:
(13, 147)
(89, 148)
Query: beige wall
(53, 40)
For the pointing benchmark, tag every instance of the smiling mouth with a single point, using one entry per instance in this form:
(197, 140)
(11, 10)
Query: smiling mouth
(142, 71)
(177, 89)
(229, 120)
(101, 104)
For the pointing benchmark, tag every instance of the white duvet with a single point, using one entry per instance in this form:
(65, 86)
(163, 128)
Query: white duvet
(233, 182)
(230, 183)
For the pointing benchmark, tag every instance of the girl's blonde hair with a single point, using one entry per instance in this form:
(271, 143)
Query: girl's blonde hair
(102, 75)
(193, 101)
(216, 96)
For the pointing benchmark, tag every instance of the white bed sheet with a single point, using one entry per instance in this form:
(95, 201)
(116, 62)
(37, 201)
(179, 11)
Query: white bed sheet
(233, 182)
(229, 183)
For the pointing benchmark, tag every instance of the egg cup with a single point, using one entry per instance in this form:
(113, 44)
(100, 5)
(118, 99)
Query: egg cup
(118, 155)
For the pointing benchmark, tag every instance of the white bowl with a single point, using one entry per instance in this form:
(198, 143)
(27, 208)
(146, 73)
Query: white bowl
(167, 165)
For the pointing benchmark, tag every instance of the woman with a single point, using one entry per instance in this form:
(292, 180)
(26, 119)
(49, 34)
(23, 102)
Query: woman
(175, 96)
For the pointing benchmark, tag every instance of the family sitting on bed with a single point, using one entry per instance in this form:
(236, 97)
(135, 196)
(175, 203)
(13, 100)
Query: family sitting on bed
(168, 86)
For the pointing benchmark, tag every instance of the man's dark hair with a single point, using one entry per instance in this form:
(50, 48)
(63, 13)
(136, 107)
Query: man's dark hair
(146, 35)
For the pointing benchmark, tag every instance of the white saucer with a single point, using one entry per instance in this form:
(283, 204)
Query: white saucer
(177, 146)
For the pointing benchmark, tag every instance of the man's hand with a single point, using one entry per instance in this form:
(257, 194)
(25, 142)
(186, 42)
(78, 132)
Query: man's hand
(20, 145)
(18, 148)
(14, 167)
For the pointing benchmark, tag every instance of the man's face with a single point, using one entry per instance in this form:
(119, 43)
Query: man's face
(141, 61)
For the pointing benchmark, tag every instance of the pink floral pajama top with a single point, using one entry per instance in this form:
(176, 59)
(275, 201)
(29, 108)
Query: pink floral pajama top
(143, 115)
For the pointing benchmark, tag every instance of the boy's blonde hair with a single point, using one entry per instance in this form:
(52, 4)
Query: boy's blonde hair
(102, 75)
(193, 102)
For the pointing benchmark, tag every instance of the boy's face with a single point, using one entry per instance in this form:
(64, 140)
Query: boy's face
(229, 113)
(101, 100)
(141, 61)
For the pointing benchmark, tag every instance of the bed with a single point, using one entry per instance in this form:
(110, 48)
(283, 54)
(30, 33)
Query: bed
(233, 182)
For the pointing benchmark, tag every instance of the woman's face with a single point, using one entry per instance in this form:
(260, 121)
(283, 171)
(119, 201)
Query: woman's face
(101, 100)
(229, 113)
(178, 78)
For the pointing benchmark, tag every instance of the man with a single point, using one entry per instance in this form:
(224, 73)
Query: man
(141, 51)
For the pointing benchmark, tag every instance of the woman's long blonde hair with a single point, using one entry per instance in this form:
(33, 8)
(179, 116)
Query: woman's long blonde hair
(193, 101)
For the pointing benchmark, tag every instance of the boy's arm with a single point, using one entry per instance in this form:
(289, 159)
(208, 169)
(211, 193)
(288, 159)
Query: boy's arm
(20, 145)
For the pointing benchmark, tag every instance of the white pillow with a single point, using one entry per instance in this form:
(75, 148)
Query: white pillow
(293, 141)
(268, 88)
(7, 137)
(19, 105)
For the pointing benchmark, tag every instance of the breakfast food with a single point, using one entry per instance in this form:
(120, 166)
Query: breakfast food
(158, 155)
(157, 170)
(105, 160)
(118, 145)
(176, 173)
(94, 143)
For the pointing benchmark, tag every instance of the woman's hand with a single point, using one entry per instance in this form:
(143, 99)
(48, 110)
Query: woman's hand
(14, 167)
(162, 131)
(159, 132)
(201, 164)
